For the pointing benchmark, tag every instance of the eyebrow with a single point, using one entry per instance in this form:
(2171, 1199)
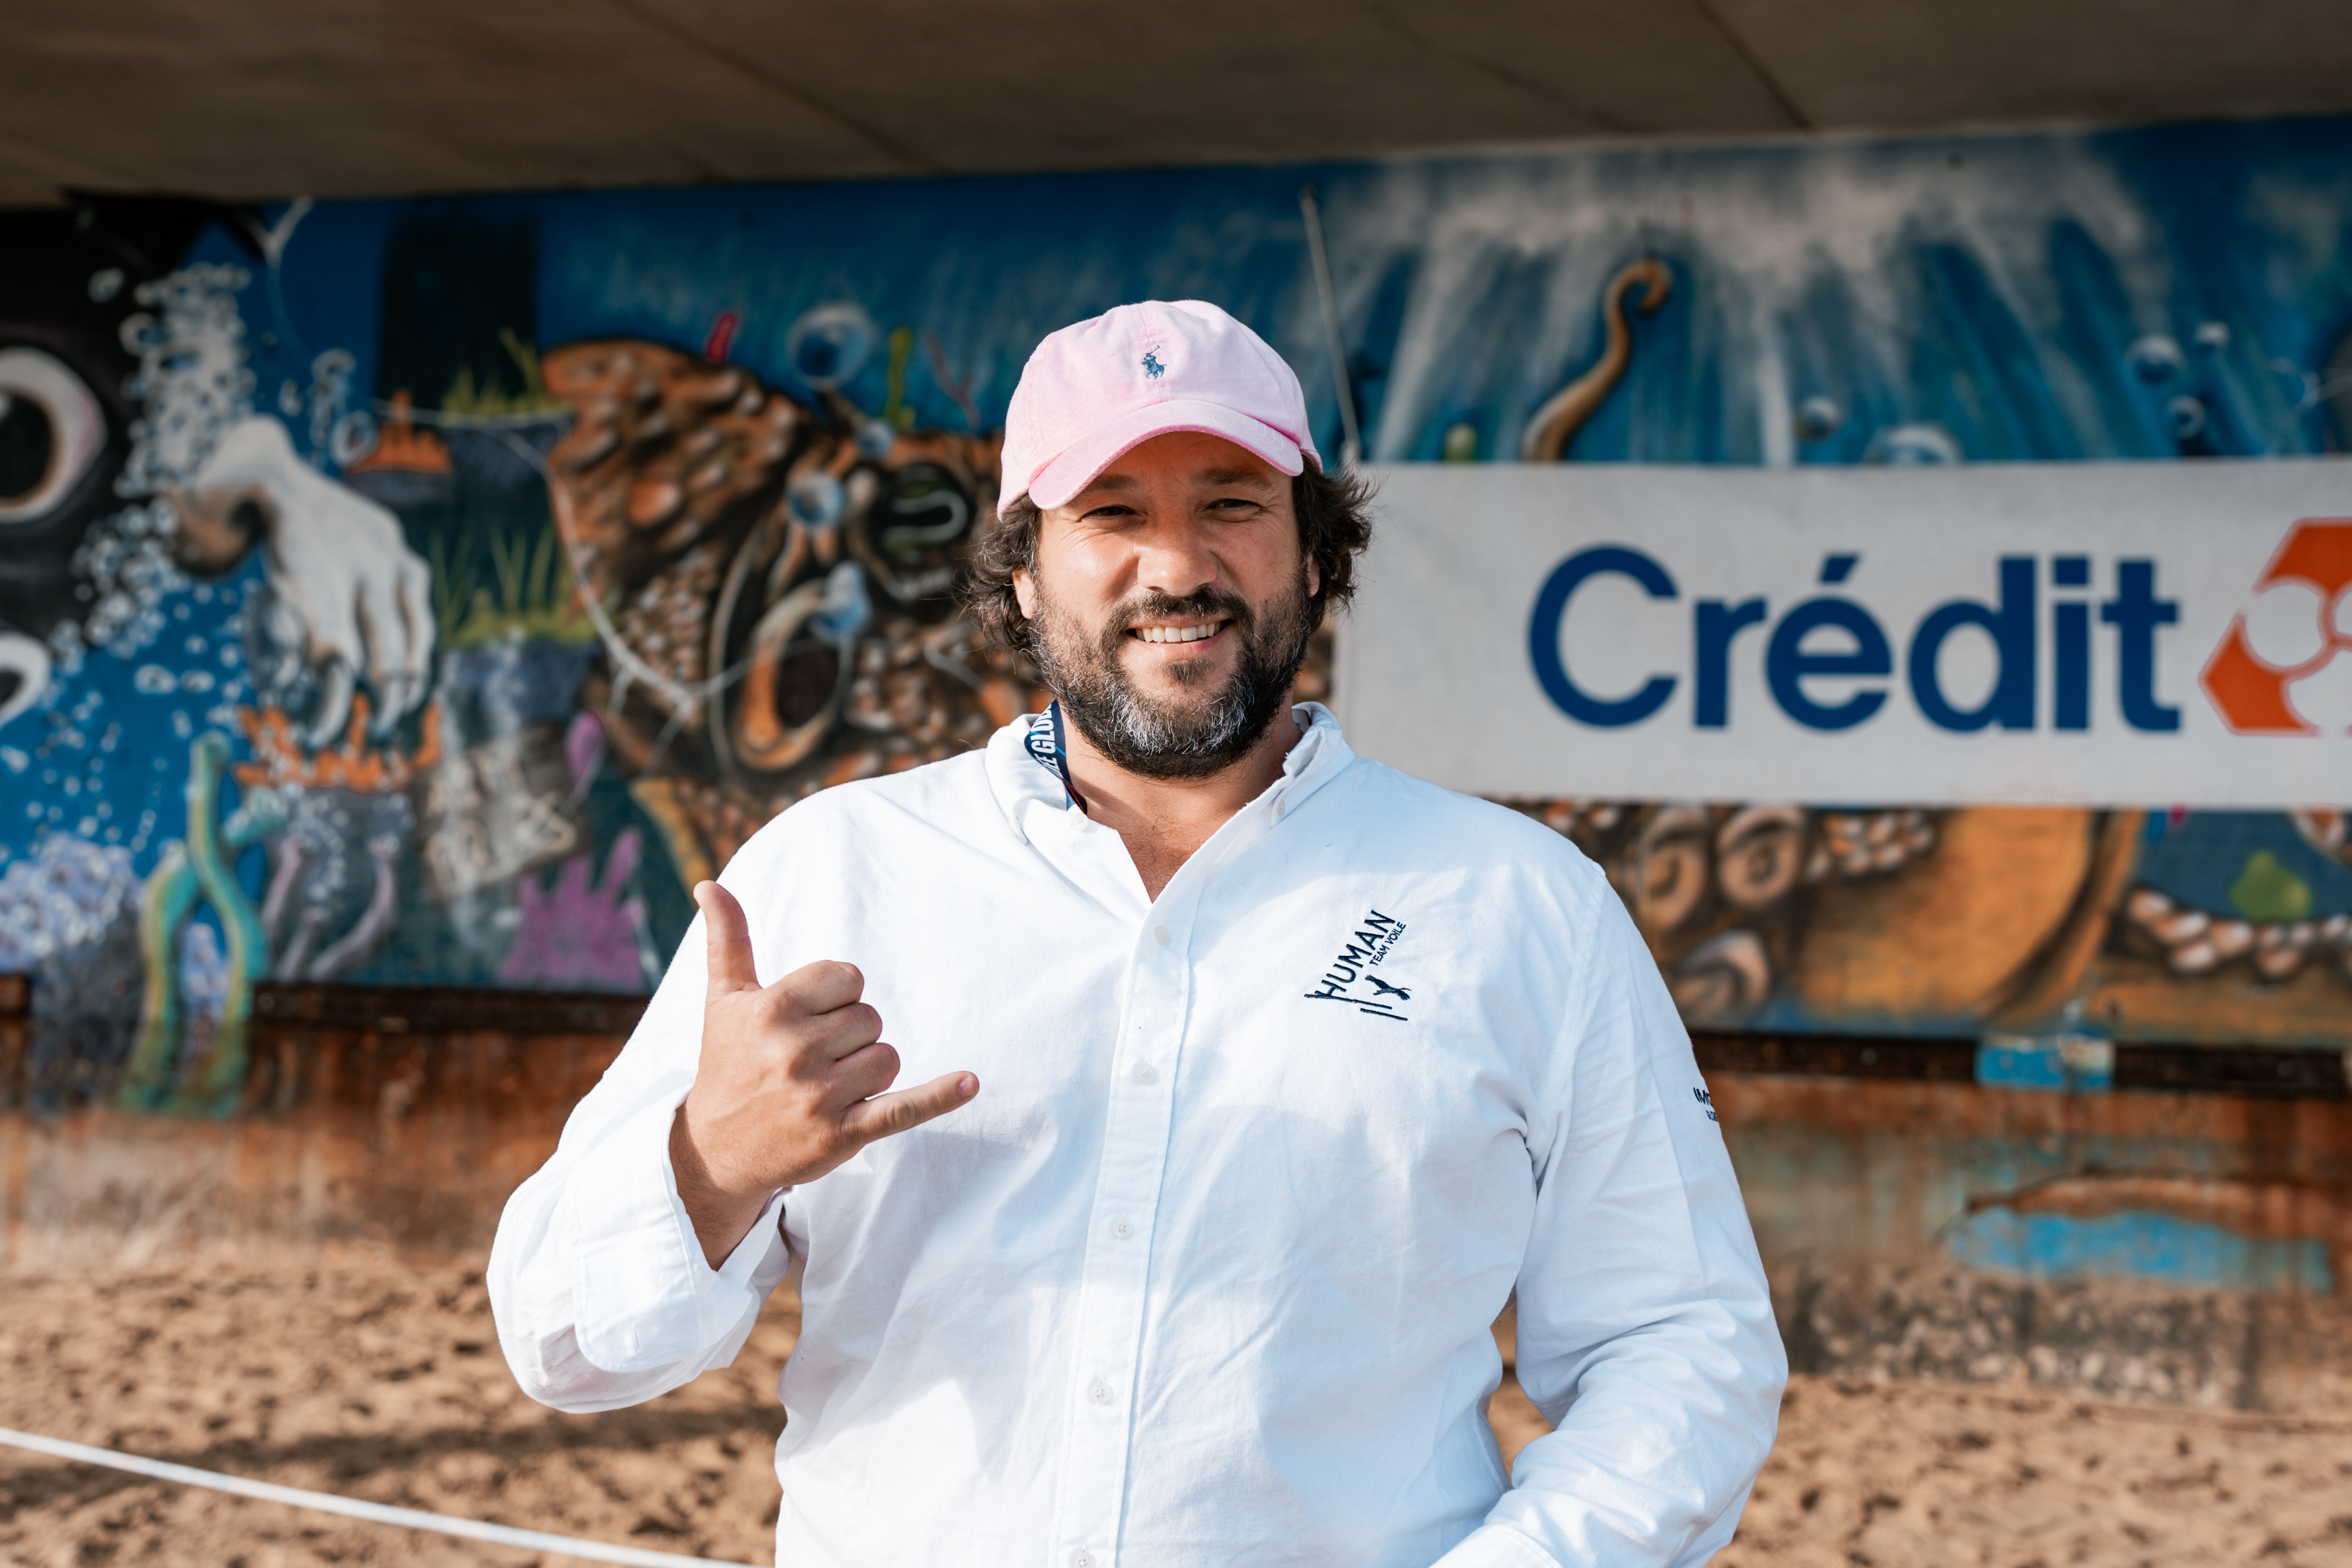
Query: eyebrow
(1119, 483)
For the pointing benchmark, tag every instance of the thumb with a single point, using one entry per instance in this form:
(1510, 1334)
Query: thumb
(730, 965)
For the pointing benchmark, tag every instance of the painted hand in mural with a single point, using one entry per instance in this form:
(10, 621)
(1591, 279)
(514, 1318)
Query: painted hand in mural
(347, 595)
(791, 1083)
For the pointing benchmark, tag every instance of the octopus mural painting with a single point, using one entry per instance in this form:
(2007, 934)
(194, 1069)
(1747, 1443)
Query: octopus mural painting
(430, 592)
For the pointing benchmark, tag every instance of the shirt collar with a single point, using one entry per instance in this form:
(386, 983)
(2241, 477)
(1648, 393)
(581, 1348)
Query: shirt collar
(1028, 764)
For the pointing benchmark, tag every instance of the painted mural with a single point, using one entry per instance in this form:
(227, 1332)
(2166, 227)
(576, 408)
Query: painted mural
(430, 592)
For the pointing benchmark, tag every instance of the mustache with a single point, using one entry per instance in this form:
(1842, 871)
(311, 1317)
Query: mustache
(1152, 605)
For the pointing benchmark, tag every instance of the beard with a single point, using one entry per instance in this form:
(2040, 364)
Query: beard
(1176, 738)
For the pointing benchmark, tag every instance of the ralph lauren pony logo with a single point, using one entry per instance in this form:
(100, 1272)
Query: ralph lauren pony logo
(1152, 365)
(1375, 937)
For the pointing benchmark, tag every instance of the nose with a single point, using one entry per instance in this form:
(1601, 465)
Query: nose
(1174, 557)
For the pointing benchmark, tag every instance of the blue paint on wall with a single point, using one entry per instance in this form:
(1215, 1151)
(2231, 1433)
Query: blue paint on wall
(2140, 1244)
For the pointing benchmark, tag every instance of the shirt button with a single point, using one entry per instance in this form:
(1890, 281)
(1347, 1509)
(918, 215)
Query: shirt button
(1082, 1559)
(1160, 935)
(1145, 1072)
(1099, 1394)
(1122, 1230)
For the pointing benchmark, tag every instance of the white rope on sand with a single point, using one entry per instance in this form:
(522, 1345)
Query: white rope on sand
(379, 1513)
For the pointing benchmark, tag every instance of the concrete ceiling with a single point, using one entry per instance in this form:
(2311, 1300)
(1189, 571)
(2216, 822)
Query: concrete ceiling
(330, 98)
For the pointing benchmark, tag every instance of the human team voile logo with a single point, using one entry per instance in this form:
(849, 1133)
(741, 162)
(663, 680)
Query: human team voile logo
(2285, 667)
(1350, 976)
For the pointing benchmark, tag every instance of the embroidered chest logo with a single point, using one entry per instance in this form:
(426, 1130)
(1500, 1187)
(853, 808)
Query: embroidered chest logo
(1350, 977)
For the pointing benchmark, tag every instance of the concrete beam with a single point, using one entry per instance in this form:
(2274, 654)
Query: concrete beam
(349, 98)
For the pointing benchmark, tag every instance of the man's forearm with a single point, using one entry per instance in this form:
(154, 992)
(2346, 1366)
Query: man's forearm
(721, 1217)
(592, 1321)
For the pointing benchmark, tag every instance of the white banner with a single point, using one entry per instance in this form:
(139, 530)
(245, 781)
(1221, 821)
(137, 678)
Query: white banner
(2119, 634)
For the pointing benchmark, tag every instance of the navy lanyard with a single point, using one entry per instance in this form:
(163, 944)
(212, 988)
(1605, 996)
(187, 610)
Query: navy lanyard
(1047, 745)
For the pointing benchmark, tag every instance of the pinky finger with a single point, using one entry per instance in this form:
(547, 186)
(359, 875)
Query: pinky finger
(888, 1113)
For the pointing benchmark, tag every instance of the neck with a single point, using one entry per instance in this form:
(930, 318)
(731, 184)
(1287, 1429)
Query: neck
(1163, 821)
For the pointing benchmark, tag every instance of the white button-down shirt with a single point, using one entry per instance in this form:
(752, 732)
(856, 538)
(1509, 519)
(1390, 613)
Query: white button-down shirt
(1203, 1276)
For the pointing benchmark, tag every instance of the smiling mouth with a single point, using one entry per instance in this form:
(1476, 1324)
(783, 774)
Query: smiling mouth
(1194, 631)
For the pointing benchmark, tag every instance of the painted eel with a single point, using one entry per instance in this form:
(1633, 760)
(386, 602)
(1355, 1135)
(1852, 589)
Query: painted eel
(1565, 412)
(194, 868)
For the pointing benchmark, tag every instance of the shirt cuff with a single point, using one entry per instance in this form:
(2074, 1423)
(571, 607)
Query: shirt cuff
(644, 1294)
(1496, 1546)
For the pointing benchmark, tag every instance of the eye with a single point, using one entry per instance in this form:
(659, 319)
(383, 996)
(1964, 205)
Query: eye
(51, 432)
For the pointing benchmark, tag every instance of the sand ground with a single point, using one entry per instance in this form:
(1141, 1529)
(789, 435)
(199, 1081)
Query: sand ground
(367, 1378)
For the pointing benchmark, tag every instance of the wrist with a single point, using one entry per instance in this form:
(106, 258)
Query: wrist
(722, 1211)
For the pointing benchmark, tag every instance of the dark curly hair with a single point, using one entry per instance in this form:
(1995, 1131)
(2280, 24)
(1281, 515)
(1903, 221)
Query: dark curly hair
(1334, 524)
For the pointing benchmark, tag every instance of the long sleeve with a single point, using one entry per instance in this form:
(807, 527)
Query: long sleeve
(1645, 1331)
(600, 1291)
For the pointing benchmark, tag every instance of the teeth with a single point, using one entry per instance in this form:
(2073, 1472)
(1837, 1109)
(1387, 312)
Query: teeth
(1200, 633)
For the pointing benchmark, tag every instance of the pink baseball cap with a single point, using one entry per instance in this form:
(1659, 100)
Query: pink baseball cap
(1095, 390)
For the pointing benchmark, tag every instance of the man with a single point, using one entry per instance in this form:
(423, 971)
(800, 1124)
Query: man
(1252, 1079)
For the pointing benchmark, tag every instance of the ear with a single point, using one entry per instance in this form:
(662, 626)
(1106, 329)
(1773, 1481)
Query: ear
(1024, 589)
(1314, 577)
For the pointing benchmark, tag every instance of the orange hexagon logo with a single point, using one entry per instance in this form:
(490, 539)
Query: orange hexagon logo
(2285, 667)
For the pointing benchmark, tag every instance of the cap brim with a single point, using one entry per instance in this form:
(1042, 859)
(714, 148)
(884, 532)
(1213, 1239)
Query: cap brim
(1098, 448)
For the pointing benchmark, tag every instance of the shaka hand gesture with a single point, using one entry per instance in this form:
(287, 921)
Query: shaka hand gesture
(791, 1083)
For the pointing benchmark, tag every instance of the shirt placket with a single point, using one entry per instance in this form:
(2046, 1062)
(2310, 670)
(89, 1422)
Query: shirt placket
(1115, 1272)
